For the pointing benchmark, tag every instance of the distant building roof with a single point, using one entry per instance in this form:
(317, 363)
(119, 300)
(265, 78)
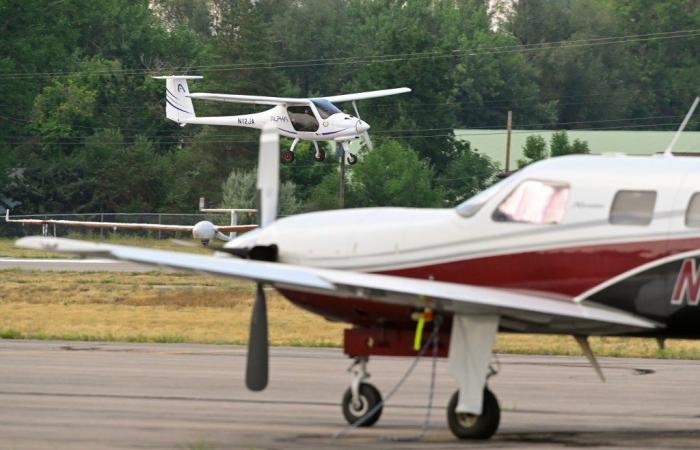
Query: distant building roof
(493, 142)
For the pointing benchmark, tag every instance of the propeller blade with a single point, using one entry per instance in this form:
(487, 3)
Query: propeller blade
(368, 141)
(357, 111)
(257, 366)
(268, 175)
(365, 135)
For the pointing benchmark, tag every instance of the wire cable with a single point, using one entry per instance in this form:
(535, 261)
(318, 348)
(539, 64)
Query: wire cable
(385, 58)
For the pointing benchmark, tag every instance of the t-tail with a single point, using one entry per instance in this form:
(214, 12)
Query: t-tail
(178, 104)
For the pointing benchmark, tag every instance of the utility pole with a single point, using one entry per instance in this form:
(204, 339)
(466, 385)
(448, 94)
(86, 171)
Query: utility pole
(341, 187)
(509, 126)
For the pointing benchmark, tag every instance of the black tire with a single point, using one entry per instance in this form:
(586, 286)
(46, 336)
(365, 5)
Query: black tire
(352, 158)
(370, 397)
(465, 426)
(320, 156)
(287, 156)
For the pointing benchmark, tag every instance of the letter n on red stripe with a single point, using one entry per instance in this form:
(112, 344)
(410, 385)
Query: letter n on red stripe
(687, 284)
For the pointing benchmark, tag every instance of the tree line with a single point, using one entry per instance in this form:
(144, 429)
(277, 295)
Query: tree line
(83, 126)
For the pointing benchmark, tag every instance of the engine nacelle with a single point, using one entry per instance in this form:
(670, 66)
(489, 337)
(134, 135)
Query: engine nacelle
(205, 231)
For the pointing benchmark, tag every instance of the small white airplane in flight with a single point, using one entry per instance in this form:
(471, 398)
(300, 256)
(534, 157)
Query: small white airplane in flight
(309, 119)
(204, 230)
(580, 245)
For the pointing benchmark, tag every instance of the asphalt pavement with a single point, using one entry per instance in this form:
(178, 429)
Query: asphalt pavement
(78, 395)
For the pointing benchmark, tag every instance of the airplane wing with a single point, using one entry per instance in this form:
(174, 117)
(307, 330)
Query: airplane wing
(129, 226)
(518, 311)
(234, 228)
(365, 95)
(252, 99)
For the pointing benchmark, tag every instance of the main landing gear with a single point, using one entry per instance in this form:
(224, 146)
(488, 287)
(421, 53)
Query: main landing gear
(360, 402)
(320, 154)
(361, 399)
(288, 156)
(469, 426)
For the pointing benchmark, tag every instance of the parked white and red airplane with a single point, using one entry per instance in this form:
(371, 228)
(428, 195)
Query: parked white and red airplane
(580, 245)
(308, 119)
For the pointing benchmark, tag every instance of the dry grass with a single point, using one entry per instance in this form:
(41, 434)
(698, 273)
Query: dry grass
(174, 307)
(147, 307)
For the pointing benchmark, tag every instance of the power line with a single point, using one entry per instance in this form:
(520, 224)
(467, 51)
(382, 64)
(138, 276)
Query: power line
(398, 57)
(388, 134)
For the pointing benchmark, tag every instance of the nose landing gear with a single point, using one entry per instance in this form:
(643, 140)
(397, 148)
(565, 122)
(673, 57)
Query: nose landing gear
(361, 399)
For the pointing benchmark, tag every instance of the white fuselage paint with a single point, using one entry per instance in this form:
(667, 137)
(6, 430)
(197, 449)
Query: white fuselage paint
(337, 127)
(384, 239)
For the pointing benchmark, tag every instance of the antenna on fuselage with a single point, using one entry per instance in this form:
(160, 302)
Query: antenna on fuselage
(669, 149)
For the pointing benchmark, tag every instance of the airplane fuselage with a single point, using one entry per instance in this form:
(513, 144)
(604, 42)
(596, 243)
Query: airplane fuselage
(619, 231)
(306, 125)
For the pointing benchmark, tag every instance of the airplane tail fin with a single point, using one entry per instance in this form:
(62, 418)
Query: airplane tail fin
(178, 106)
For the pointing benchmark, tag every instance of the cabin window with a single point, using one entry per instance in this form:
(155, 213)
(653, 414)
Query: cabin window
(633, 208)
(302, 118)
(534, 201)
(325, 108)
(692, 214)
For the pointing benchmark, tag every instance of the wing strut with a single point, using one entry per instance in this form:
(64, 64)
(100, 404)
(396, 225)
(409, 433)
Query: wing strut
(586, 349)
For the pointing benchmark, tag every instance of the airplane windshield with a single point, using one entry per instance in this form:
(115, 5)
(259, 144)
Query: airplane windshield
(325, 108)
(472, 205)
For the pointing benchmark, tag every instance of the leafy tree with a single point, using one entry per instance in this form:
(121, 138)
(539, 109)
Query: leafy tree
(313, 30)
(324, 195)
(239, 191)
(306, 173)
(393, 175)
(469, 173)
(580, 82)
(579, 146)
(535, 149)
(560, 145)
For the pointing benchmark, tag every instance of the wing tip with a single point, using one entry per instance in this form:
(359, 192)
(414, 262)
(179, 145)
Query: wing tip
(59, 245)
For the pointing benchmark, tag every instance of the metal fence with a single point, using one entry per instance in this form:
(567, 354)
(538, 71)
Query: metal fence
(16, 230)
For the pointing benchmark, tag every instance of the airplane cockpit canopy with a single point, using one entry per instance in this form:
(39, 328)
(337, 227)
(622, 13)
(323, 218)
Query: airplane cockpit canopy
(325, 108)
(302, 118)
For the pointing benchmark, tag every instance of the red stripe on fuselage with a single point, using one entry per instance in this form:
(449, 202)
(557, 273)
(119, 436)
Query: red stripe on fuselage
(567, 271)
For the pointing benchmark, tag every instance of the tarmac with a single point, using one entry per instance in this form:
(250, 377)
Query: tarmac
(88, 395)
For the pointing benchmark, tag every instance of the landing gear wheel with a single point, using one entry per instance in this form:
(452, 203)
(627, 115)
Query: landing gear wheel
(369, 398)
(287, 156)
(320, 156)
(352, 158)
(468, 426)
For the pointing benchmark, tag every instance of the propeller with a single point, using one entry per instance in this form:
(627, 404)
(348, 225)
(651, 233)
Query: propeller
(256, 374)
(257, 366)
(365, 134)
